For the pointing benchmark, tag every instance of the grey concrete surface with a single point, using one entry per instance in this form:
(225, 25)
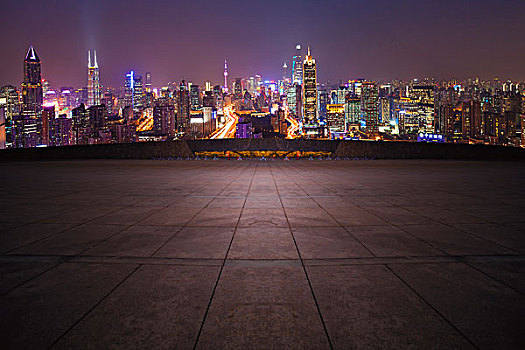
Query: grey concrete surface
(302, 254)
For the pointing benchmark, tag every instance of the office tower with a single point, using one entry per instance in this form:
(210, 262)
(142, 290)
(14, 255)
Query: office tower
(32, 94)
(323, 99)
(133, 90)
(423, 96)
(522, 119)
(81, 126)
(237, 89)
(97, 118)
(310, 116)
(195, 99)
(138, 92)
(335, 119)
(26, 130)
(352, 109)
(208, 86)
(164, 119)
(147, 85)
(285, 71)
(294, 101)
(61, 131)
(10, 101)
(208, 99)
(129, 90)
(225, 76)
(297, 66)
(3, 135)
(94, 90)
(29, 123)
(183, 108)
(370, 107)
(48, 115)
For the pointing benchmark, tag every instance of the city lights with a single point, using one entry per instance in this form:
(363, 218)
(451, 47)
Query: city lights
(296, 106)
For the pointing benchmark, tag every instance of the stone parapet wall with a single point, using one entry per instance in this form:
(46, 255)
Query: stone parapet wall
(336, 148)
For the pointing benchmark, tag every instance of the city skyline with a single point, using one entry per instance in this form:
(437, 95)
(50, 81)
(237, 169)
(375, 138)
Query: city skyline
(377, 41)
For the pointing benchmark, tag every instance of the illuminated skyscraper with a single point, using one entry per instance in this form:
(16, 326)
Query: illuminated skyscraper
(335, 119)
(195, 99)
(133, 90)
(370, 107)
(183, 108)
(94, 90)
(147, 85)
(129, 88)
(237, 88)
(297, 66)
(32, 95)
(27, 127)
(285, 71)
(310, 116)
(294, 98)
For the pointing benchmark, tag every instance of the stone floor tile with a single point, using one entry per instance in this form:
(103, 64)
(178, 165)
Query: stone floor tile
(368, 307)
(263, 308)
(263, 243)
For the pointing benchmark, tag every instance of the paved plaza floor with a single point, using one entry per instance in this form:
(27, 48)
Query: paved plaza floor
(129, 254)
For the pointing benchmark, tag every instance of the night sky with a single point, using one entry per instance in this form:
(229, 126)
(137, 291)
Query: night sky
(374, 39)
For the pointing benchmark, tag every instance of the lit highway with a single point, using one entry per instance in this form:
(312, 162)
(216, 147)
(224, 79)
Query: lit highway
(294, 127)
(228, 129)
(145, 124)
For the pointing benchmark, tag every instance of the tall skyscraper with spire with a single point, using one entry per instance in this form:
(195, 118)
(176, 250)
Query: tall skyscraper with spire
(94, 90)
(32, 96)
(310, 115)
(297, 66)
(225, 76)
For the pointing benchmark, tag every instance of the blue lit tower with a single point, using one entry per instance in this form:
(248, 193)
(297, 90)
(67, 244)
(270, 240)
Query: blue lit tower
(297, 66)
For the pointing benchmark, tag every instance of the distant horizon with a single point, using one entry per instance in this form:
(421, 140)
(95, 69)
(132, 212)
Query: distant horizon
(232, 77)
(378, 39)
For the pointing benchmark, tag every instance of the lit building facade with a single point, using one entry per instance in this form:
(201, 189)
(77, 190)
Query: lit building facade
(297, 66)
(94, 89)
(32, 94)
(335, 118)
(310, 116)
(370, 107)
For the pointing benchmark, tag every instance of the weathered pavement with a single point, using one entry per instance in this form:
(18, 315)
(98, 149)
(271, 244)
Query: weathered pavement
(270, 255)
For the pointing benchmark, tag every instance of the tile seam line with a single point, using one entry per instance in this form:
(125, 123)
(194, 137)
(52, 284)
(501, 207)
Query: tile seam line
(187, 222)
(304, 269)
(432, 307)
(75, 225)
(221, 269)
(451, 225)
(339, 223)
(95, 306)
